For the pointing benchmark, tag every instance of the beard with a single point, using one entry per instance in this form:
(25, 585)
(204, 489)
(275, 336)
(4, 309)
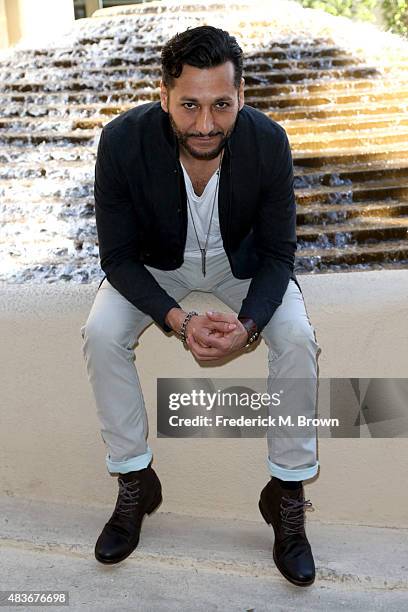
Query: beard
(183, 140)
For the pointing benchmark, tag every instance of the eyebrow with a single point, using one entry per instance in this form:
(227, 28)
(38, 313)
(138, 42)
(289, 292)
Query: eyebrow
(221, 98)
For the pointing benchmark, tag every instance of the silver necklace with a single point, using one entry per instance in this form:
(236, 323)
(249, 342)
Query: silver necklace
(203, 250)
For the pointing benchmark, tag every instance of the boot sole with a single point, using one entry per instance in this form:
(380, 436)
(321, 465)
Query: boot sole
(289, 578)
(154, 506)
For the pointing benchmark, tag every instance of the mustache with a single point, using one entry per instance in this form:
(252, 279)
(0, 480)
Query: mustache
(199, 135)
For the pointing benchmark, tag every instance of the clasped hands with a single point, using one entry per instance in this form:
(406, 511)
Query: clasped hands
(215, 335)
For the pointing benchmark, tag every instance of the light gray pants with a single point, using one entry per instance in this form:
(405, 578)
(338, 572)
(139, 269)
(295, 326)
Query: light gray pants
(111, 333)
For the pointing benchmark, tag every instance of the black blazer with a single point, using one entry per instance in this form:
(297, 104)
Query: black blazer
(141, 208)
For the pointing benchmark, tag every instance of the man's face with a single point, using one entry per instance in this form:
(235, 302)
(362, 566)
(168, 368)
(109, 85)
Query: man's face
(203, 106)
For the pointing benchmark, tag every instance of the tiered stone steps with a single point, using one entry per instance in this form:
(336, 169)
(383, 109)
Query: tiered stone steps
(346, 121)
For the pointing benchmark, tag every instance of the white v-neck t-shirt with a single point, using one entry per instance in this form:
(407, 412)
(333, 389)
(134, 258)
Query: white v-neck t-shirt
(201, 207)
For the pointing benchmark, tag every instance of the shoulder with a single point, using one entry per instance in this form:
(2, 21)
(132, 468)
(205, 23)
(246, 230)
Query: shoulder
(263, 141)
(132, 132)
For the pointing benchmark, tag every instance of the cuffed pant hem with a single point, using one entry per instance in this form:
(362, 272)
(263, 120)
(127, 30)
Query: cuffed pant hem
(135, 463)
(295, 474)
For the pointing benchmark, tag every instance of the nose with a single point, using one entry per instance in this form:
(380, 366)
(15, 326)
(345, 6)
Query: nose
(204, 122)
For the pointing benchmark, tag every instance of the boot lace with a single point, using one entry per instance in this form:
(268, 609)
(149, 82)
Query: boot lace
(128, 497)
(292, 514)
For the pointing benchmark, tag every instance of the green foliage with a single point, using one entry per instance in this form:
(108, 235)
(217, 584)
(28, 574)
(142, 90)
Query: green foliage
(396, 15)
(362, 9)
(395, 12)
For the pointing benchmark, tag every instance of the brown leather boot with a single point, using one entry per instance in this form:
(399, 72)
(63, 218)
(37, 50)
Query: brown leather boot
(140, 493)
(284, 509)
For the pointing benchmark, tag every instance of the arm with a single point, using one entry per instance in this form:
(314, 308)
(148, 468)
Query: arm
(116, 224)
(275, 231)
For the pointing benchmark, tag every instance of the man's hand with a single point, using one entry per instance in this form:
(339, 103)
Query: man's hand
(206, 327)
(208, 346)
(204, 330)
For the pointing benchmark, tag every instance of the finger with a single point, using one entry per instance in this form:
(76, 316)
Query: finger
(203, 339)
(221, 316)
(200, 352)
(199, 357)
(222, 343)
(222, 326)
(217, 334)
(210, 353)
(195, 342)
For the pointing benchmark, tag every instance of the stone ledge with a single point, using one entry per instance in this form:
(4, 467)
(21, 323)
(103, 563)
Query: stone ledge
(50, 445)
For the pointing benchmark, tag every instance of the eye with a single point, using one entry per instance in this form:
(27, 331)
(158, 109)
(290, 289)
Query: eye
(225, 104)
(189, 105)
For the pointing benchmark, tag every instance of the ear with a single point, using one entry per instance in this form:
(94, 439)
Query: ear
(164, 97)
(241, 93)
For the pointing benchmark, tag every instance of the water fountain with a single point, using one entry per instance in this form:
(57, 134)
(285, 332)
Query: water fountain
(343, 106)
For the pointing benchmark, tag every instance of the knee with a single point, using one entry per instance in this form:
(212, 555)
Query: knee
(93, 335)
(295, 334)
(300, 333)
(98, 336)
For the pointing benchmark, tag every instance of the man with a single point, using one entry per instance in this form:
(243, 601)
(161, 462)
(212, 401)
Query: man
(196, 192)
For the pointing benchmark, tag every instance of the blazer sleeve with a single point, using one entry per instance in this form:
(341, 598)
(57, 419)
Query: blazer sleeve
(116, 224)
(275, 236)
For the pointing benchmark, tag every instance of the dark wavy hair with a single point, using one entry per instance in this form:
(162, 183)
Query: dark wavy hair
(202, 47)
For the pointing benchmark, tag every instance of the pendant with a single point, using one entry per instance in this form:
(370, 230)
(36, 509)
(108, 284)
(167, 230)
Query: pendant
(203, 260)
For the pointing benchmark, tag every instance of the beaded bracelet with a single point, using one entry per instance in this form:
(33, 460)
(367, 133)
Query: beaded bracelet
(182, 331)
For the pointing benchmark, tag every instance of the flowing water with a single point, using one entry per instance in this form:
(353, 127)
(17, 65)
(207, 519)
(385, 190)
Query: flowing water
(341, 98)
